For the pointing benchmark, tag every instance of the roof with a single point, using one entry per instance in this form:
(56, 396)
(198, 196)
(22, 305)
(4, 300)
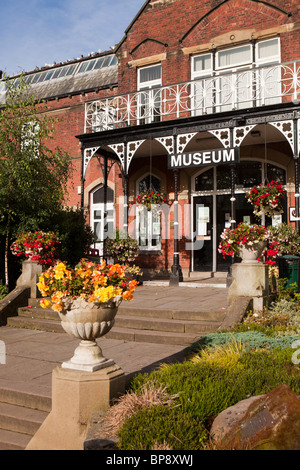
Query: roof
(91, 73)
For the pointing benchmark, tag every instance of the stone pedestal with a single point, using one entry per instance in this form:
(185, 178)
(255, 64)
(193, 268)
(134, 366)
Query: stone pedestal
(250, 280)
(75, 396)
(31, 271)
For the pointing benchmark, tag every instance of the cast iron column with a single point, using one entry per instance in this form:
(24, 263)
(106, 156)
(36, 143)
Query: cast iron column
(296, 165)
(176, 273)
(82, 180)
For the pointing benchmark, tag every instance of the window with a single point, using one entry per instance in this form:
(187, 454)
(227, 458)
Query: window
(238, 79)
(269, 76)
(149, 101)
(31, 139)
(148, 222)
(101, 223)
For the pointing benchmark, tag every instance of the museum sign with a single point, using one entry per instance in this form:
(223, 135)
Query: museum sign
(203, 158)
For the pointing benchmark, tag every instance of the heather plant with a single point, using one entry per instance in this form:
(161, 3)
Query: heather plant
(211, 380)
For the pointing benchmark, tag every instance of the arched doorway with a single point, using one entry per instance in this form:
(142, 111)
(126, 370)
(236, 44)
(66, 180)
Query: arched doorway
(102, 216)
(211, 207)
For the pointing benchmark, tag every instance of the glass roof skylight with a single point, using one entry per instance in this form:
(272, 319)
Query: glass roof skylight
(72, 69)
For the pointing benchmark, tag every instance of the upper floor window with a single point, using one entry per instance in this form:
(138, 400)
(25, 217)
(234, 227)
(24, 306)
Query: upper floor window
(216, 89)
(149, 101)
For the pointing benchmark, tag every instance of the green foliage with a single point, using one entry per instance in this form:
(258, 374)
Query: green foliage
(3, 291)
(74, 234)
(33, 176)
(207, 384)
(173, 427)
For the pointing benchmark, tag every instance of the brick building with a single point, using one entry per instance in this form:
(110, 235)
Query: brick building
(198, 101)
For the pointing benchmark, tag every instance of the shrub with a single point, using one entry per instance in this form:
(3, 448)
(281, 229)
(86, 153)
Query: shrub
(207, 385)
(74, 234)
(161, 425)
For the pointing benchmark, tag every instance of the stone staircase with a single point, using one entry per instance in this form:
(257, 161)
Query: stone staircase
(21, 414)
(164, 326)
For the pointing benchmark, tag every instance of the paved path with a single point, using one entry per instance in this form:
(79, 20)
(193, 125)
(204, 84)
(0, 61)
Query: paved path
(32, 355)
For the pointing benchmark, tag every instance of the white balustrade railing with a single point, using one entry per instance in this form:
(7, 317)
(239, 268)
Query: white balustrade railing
(246, 88)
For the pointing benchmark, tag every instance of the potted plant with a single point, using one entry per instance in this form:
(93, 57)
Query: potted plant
(245, 241)
(267, 199)
(36, 246)
(150, 198)
(87, 300)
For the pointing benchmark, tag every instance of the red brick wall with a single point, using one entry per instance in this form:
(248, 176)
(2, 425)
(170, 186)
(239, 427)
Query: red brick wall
(169, 23)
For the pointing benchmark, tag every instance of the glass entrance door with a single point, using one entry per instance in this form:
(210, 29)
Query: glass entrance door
(203, 233)
(212, 212)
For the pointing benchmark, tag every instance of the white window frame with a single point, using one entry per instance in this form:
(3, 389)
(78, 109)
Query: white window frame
(154, 92)
(100, 206)
(207, 87)
(149, 227)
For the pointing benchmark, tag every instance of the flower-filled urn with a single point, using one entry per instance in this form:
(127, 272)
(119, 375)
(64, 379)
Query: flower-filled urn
(87, 300)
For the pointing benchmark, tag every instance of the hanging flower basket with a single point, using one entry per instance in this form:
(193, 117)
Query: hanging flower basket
(267, 199)
(149, 199)
(252, 237)
(36, 246)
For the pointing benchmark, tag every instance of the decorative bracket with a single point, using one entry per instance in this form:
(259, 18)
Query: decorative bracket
(287, 129)
(223, 135)
(239, 134)
(88, 155)
(183, 140)
(167, 142)
(131, 149)
(119, 150)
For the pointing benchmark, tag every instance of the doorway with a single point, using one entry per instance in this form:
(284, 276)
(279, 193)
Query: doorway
(212, 208)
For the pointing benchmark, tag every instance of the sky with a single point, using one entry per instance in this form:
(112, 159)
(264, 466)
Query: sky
(34, 33)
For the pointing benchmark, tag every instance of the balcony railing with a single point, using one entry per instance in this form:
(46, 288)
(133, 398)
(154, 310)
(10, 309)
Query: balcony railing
(247, 88)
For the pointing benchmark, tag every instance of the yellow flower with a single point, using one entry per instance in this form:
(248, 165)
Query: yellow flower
(104, 294)
(45, 303)
(60, 270)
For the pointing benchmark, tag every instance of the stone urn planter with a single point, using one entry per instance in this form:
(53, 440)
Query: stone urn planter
(88, 321)
(251, 254)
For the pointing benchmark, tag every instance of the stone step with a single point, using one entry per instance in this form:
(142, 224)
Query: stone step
(152, 336)
(38, 312)
(10, 440)
(166, 325)
(23, 408)
(27, 395)
(192, 315)
(51, 326)
(20, 419)
(126, 308)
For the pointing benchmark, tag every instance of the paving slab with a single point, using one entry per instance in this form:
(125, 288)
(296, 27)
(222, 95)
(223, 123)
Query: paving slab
(32, 355)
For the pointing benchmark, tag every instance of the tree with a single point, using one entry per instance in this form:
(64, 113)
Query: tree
(33, 177)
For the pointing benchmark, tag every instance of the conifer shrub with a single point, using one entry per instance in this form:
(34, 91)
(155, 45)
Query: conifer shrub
(162, 425)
